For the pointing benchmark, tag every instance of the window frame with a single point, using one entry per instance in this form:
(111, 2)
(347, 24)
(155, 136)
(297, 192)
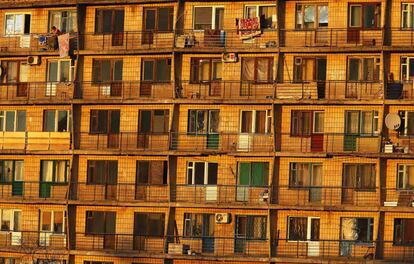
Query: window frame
(12, 227)
(402, 171)
(6, 34)
(401, 230)
(248, 234)
(97, 66)
(361, 69)
(257, 7)
(99, 19)
(3, 179)
(54, 171)
(3, 119)
(92, 168)
(370, 231)
(157, 16)
(56, 121)
(308, 229)
(408, 11)
(293, 173)
(94, 113)
(375, 123)
(155, 77)
(195, 70)
(149, 180)
(4, 76)
(147, 224)
(316, 16)
(59, 70)
(363, 5)
(69, 18)
(191, 171)
(358, 177)
(270, 73)
(207, 126)
(52, 219)
(89, 215)
(213, 15)
(253, 128)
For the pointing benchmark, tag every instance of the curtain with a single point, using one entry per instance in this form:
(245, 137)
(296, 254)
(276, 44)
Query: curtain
(263, 70)
(248, 69)
(349, 229)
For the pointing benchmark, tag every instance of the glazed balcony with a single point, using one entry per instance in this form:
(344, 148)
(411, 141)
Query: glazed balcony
(222, 142)
(36, 92)
(332, 37)
(33, 43)
(329, 143)
(32, 240)
(124, 141)
(400, 90)
(190, 39)
(327, 196)
(119, 192)
(127, 40)
(126, 90)
(30, 190)
(34, 141)
(221, 194)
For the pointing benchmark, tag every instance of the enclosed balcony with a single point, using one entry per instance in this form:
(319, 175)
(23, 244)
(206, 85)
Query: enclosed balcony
(34, 141)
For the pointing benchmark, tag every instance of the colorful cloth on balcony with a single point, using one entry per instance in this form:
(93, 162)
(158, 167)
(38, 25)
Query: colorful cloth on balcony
(63, 45)
(249, 28)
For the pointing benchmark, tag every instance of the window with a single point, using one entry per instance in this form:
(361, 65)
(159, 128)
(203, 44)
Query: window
(206, 70)
(100, 223)
(10, 220)
(159, 19)
(105, 121)
(357, 229)
(404, 231)
(17, 24)
(298, 228)
(407, 15)
(318, 122)
(12, 120)
(307, 69)
(149, 224)
(65, 20)
(105, 70)
(266, 13)
(258, 70)
(305, 123)
(8, 260)
(208, 17)
(407, 123)
(255, 174)
(156, 70)
(49, 261)
(363, 69)
(14, 72)
(250, 227)
(256, 122)
(305, 174)
(11, 171)
(109, 21)
(200, 173)
(198, 225)
(359, 176)
(52, 221)
(55, 171)
(56, 120)
(405, 176)
(407, 68)
(365, 16)
(97, 262)
(153, 121)
(362, 123)
(60, 71)
(152, 172)
(311, 16)
(102, 172)
(203, 121)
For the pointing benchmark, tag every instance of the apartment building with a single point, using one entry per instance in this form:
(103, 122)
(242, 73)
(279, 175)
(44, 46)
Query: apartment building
(204, 132)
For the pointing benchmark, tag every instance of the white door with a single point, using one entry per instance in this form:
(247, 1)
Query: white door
(211, 193)
(44, 238)
(313, 236)
(246, 130)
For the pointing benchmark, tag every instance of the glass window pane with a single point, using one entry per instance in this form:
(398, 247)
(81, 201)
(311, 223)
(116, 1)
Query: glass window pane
(352, 122)
(162, 74)
(263, 71)
(49, 121)
(204, 70)
(58, 222)
(61, 171)
(46, 221)
(10, 118)
(164, 15)
(62, 121)
(309, 17)
(17, 225)
(353, 69)
(203, 17)
(19, 170)
(318, 122)
(159, 122)
(21, 121)
(355, 19)
(369, 16)
(148, 70)
(6, 215)
(323, 16)
(8, 170)
(53, 71)
(248, 69)
(251, 11)
(47, 171)
(64, 71)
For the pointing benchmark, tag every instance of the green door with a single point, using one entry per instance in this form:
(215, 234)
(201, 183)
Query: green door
(350, 143)
(17, 188)
(212, 141)
(258, 174)
(242, 193)
(45, 189)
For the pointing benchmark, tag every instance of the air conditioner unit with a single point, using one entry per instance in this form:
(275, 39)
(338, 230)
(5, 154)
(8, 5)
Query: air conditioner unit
(298, 61)
(229, 57)
(222, 218)
(33, 60)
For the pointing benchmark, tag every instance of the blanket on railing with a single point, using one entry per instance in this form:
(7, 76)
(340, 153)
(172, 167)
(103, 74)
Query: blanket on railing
(249, 28)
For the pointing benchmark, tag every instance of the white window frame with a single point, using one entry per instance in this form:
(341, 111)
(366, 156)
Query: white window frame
(410, 7)
(405, 132)
(258, 9)
(191, 166)
(14, 14)
(407, 65)
(350, 18)
(213, 15)
(52, 221)
(51, 12)
(5, 120)
(308, 229)
(13, 211)
(59, 62)
(268, 121)
(313, 122)
(57, 119)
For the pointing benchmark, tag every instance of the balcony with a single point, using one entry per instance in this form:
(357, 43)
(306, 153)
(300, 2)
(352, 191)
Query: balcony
(222, 142)
(34, 42)
(28, 190)
(332, 37)
(221, 194)
(208, 39)
(32, 241)
(128, 40)
(120, 192)
(34, 141)
(127, 90)
(329, 143)
(329, 90)
(400, 90)
(327, 196)
(45, 92)
(124, 141)
(402, 37)
(399, 145)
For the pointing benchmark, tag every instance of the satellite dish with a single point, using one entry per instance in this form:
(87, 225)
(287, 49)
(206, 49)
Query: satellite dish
(393, 121)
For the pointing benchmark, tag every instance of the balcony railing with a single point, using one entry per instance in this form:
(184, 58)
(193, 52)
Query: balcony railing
(37, 91)
(36, 141)
(121, 192)
(34, 42)
(400, 90)
(127, 90)
(221, 194)
(28, 241)
(402, 37)
(229, 142)
(332, 37)
(30, 190)
(124, 141)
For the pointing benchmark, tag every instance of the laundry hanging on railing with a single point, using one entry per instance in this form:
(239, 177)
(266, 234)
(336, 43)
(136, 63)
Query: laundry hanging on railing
(249, 28)
(63, 41)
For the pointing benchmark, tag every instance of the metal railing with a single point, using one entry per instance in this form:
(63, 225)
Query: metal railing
(37, 91)
(28, 241)
(34, 42)
(31, 190)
